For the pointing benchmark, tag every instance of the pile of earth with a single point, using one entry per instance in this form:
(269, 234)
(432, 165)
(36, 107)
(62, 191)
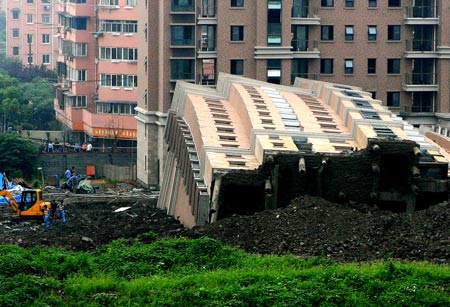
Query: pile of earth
(312, 226)
(309, 226)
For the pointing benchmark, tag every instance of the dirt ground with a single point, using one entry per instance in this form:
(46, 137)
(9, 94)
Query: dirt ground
(310, 226)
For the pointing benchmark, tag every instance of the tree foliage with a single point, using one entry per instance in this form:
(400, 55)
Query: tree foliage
(28, 104)
(18, 155)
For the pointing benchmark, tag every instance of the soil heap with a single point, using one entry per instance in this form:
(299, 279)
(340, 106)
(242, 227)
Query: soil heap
(309, 226)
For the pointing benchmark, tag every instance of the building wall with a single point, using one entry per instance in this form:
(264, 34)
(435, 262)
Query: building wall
(99, 105)
(56, 163)
(30, 32)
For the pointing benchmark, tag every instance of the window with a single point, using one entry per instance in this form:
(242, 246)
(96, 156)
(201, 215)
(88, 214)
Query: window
(372, 3)
(117, 80)
(393, 99)
(327, 3)
(393, 66)
(46, 59)
(326, 66)
(79, 49)
(237, 3)
(183, 6)
(109, 2)
(274, 71)
(29, 1)
(118, 53)
(372, 33)
(348, 66)
(394, 3)
(182, 35)
(131, 3)
(78, 22)
(30, 59)
(237, 33)
(46, 38)
(327, 33)
(45, 18)
(348, 33)
(15, 13)
(349, 3)
(79, 101)
(15, 32)
(394, 33)
(116, 108)
(182, 69)
(29, 18)
(15, 50)
(29, 38)
(237, 67)
(117, 26)
(371, 66)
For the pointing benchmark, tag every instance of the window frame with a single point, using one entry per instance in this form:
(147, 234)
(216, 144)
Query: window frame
(327, 63)
(236, 36)
(393, 66)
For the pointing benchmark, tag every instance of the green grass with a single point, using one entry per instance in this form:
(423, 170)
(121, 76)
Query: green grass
(204, 272)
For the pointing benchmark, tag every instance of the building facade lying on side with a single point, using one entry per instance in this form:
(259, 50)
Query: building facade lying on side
(398, 50)
(250, 145)
(30, 31)
(97, 70)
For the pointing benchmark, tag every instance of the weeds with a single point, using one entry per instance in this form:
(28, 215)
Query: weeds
(204, 272)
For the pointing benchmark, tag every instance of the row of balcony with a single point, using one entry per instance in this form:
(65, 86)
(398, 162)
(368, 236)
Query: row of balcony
(208, 10)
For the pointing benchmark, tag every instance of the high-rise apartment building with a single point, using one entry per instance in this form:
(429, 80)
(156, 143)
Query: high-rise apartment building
(97, 69)
(399, 50)
(30, 31)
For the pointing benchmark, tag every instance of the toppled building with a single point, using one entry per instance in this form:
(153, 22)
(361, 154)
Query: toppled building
(248, 145)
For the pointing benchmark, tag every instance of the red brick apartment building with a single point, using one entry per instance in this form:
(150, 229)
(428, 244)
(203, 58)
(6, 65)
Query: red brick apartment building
(30, 31)
(97, 57)
(398, 50)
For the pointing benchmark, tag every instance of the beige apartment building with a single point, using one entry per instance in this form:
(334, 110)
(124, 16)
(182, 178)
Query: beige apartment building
(398, 50)
(30, 31)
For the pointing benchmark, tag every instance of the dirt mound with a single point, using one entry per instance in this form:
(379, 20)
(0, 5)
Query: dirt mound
(309, 226)
(312, 226)
(91, 222)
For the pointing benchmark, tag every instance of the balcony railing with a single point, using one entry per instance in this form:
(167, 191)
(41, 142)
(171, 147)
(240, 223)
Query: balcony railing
(207, 9)
(303, 11)
(182, 42)
(188, 7)
(420, 108)
(182, 76)
(206, 79)
(428, 11)
(421, 45)
(304, 45)
(421, 79)
(208, 44)
(303, 75)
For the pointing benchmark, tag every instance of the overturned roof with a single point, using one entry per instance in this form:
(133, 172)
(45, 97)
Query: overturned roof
(238, 124)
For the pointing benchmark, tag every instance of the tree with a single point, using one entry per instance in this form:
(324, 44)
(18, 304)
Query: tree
(18, 155)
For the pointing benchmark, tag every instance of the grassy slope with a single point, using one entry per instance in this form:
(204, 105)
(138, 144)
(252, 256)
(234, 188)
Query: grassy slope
(205, 273)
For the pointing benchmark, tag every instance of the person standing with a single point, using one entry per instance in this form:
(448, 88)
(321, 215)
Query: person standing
(53, 209)
(62, 211)
(46, 212)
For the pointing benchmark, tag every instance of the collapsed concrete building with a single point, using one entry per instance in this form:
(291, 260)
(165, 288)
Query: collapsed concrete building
(246, 146)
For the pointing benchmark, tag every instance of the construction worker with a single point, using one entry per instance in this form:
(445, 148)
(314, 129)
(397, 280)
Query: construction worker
(62, 211)
(53, 209)
(46, 217)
